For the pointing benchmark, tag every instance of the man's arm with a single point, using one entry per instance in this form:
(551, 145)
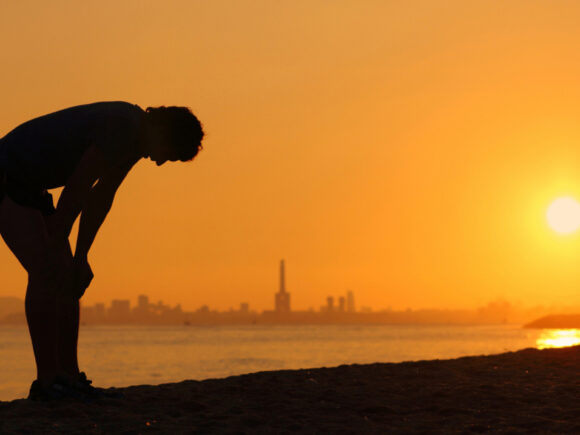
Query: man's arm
(73, 196)
(96, 208)
(82, 195)
(93, 214)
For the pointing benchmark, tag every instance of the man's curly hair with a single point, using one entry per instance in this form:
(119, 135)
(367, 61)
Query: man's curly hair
(183, 130)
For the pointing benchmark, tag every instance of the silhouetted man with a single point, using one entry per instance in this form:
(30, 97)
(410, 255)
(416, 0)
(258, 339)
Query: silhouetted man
(89, 150)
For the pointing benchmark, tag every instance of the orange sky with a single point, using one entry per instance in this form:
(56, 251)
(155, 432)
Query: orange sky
(404, 150)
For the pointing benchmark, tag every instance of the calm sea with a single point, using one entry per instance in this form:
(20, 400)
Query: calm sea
(133, 355)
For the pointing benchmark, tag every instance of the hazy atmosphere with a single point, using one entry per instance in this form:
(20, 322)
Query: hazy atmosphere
(407, 151)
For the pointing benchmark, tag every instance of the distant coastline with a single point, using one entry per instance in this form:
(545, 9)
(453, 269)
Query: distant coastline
(336, 310)
(120, 312)
(556, 321)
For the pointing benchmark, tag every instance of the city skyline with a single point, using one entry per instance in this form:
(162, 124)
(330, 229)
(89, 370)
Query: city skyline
(121, 308)
(121, 311)
(333, 303)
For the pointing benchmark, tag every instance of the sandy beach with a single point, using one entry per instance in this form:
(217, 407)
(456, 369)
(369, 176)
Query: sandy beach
(529, 391)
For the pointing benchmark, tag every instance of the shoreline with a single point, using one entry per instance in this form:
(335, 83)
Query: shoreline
(528, 391)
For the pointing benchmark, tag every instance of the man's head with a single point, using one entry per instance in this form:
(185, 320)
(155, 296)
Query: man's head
(173, 133)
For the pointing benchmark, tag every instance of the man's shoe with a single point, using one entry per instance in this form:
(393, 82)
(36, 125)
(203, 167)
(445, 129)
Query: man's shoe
(38, 393)
(84, 385)
(55, 391)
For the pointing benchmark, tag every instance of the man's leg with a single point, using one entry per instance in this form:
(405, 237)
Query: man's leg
(24, 231)
(68, 323)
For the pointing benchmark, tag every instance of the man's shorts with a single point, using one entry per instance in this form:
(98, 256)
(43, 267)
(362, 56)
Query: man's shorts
(26, 195)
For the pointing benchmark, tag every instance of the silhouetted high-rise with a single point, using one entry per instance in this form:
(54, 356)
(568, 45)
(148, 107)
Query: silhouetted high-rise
(282, 297)
(143, 302)
(120, 310)
(329, 304)
(341, 304)
(350, 302)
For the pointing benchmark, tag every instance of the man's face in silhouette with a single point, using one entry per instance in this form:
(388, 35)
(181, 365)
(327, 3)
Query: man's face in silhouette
(161, 153)
(160, 149)
(172, 140)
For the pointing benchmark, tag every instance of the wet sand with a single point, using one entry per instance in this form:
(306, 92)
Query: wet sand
(530, 391)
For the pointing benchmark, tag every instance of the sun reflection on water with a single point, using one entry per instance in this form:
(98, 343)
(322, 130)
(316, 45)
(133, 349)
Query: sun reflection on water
(558, 338)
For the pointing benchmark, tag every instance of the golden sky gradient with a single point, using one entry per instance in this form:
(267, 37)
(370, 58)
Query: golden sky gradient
(407, 151)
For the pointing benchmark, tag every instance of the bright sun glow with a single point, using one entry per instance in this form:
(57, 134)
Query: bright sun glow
(564, 215)
(558, 338)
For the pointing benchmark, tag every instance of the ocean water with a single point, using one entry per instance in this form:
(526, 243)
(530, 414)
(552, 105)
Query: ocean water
(134, 355)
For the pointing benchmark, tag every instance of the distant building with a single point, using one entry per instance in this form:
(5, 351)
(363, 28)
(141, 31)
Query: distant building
(350, 308)
(142, 311)
(282, 302)
(143, 302)
(100, 311)
(244, 308)
(204, 309)
(341, 304)
(120, 310)
(94, 314)
(330, 304)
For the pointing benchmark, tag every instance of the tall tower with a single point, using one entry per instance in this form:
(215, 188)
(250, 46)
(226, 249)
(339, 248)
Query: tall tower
(350, 302)
(282, 297)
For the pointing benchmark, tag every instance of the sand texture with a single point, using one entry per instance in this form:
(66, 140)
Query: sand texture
(530, 391)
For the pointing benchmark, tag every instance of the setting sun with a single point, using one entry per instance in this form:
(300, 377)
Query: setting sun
(564, 215)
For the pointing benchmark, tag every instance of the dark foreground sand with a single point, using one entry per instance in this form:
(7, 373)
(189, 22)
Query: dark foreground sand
(530, 391)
